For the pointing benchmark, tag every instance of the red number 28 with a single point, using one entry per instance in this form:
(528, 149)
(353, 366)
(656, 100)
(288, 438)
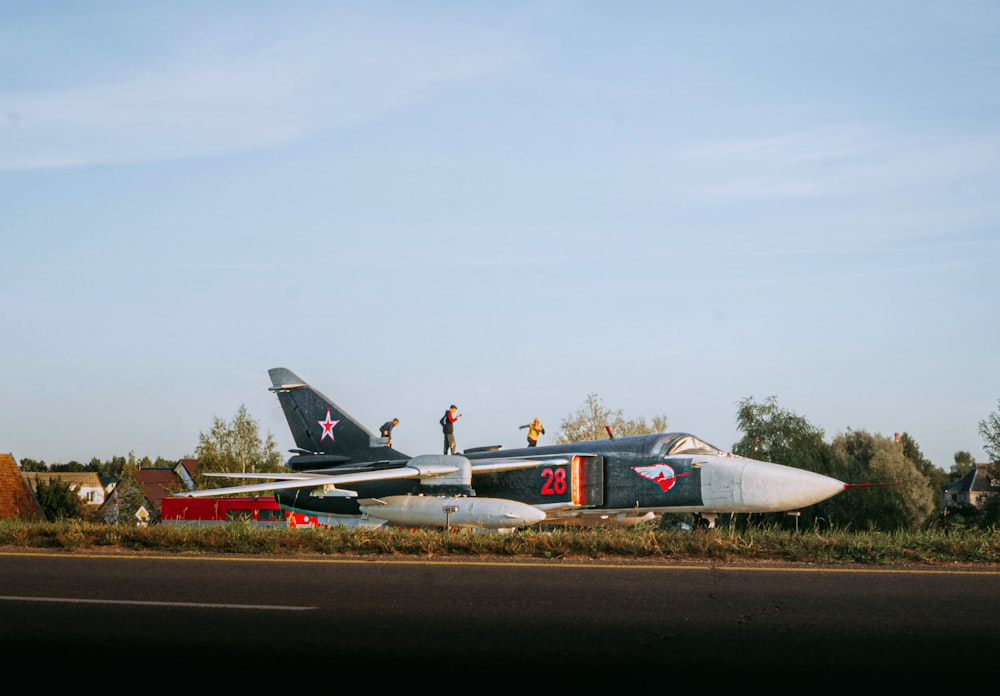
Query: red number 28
(553, 481)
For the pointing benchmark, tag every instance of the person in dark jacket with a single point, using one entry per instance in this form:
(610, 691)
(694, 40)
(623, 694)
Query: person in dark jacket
(448, 428)
(386, 430)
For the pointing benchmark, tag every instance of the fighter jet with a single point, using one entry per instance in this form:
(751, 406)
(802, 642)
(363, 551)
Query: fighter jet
(344, 474)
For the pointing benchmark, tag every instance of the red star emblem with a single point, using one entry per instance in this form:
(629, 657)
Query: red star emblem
(327, 426)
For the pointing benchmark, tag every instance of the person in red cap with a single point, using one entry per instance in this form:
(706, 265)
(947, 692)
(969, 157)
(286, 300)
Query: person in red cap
(448, 428)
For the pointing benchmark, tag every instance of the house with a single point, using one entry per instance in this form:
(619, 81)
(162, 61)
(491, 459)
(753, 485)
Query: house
(186, 470)
(17, 500)
(975, 488)
(160, 482)
(87, 484)
(157, 483)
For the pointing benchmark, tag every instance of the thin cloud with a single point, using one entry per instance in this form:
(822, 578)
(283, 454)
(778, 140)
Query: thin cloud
(839, 163)
(203, 105)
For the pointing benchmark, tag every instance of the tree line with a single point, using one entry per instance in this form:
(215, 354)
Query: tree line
(770, 433)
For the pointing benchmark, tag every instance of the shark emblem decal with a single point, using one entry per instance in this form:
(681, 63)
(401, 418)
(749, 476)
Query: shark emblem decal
(327, 426)
(662, 474)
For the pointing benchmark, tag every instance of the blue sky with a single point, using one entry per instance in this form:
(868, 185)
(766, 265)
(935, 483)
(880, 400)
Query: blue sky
(503, 205)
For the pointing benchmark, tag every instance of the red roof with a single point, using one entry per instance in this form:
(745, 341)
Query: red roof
(156, 483)
(17, 502)
(191, 465)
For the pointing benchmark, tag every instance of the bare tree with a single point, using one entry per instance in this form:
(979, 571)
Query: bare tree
(592, 421)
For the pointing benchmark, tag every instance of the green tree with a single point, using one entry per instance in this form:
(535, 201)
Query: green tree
(935, 475)
(96, 465)
(70, 466)
(773, 434)
(33, 465)
(990, 514)
(861, 457)
(236, 447)
(989, 428)
(116, 465)
(964, 461)
(131, 493)
(591, 421)
(58, 500)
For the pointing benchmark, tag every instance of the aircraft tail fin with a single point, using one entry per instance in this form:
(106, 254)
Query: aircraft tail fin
(320, 426)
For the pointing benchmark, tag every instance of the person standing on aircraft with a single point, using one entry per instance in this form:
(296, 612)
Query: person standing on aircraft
(534, 430)
(386, 430)
(448, 428)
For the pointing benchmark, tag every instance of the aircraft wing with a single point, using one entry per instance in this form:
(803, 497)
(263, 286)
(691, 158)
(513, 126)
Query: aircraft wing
(486, 466)
(427, 467)
(328, 481)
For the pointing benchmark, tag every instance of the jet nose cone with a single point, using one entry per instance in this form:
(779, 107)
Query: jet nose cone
(775, 487)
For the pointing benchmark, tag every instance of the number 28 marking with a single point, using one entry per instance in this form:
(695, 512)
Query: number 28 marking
(554, 481)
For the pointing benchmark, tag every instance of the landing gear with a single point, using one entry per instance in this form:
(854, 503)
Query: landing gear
(705, 520)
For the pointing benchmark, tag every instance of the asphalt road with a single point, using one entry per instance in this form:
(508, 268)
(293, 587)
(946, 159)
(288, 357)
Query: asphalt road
(319, 620)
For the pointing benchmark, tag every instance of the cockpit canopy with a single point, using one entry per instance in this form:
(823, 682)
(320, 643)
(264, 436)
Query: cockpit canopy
(675, 444)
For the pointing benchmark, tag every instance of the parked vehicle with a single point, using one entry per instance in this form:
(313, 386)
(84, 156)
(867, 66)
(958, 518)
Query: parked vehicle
(260, 510)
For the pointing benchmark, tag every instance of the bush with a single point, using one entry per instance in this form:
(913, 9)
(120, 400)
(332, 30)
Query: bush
(647, 542)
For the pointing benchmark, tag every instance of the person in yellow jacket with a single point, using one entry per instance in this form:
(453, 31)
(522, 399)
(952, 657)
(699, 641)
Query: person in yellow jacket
(534, 430)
